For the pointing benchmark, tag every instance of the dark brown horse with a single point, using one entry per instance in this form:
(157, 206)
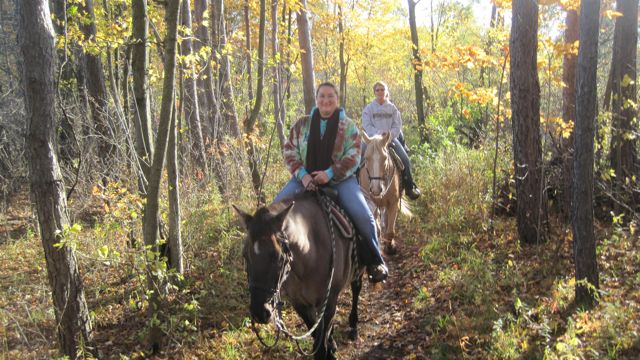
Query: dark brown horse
(290, 250)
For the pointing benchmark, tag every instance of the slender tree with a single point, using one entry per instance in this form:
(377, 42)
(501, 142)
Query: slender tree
(250, 122)
(571, 34)
(525, 109)
(623, 97)
(156, 284)
(97, 89)
(584, 241)
(47, 186)
(344, 63)
(141, 113)
(190, 101)
(175, 255)
(304, 39)
(277, 91)
(228, 107)
(417, 70)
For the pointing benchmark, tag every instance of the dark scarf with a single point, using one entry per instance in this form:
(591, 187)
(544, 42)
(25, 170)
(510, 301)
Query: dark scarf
(319, 150)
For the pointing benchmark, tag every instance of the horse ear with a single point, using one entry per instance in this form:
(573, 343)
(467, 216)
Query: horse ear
(283, 215)
(365, 137)
(386, 137)
(246, 218)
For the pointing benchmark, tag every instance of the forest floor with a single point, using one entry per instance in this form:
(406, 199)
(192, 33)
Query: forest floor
(448, 297)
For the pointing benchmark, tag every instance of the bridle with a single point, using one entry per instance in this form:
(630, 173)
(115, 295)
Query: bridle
(285, 269)
(389, 170)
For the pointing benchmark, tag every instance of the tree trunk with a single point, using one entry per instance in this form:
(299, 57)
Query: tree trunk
(304, 39)
(190, 100)
(155, 283)
(417, 72)
(584, 241)
(247, 30)
(47, 187)
(525, 108)
(97, 92)
(278, 98)
(142, 111)
(343, 62)
(251, 121)
(175, 238)
(224, 74)
(571, 34)
(623, 99)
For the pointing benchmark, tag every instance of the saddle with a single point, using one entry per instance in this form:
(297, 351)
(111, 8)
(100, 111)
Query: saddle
(336, 215)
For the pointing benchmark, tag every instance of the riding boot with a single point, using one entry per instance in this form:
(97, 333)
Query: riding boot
(410, 187)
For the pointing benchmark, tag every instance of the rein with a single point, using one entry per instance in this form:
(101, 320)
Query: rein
(284, 273)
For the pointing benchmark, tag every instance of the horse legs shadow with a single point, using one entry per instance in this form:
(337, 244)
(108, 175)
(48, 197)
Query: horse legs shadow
(356, 286)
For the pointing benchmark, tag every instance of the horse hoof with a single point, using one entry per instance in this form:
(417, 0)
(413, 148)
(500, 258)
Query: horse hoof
(390, 249)
(353, 334)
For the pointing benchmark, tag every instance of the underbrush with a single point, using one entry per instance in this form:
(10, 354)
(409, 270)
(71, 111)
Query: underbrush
(505, 301)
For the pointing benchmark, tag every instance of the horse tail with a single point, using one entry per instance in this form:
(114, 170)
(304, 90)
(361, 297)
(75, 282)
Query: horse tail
(405, 207)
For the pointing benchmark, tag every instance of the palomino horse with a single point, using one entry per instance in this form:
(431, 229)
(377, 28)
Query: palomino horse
(290, 251)
(380, 182)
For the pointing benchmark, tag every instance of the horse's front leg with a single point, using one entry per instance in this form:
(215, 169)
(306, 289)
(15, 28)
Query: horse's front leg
(391, 214)
(356, 286)
(328, 346)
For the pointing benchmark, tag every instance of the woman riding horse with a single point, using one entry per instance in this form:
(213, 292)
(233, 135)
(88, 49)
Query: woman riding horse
(383, 116)
(324, 149)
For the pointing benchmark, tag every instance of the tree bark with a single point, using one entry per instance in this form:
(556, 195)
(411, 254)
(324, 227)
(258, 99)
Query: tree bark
(584, 241)
(142, 111)
(224, 73)
(525, 108)
(155, 283)
(571, 35)
(417, 71)
(190, 101)
(623, 99)
(47, 187)
(304, 40)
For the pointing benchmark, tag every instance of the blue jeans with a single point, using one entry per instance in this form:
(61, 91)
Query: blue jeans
(350, 198)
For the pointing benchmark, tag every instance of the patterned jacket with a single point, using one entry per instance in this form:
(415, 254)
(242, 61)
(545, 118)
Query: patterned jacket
(346, 151)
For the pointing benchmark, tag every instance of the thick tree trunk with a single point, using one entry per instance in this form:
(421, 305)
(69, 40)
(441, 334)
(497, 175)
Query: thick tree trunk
(190, 100)
(47, 187)
(623, 99)
(417, 72)
(584, 241)
(525, 108)
(142, 112)
(571, 34)
(228, 108)
(278, 98)
(304, 40)
(155, 283)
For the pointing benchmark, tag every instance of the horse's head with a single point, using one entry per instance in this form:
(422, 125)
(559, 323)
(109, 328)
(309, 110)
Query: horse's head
(377, 162)
(266, 256)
